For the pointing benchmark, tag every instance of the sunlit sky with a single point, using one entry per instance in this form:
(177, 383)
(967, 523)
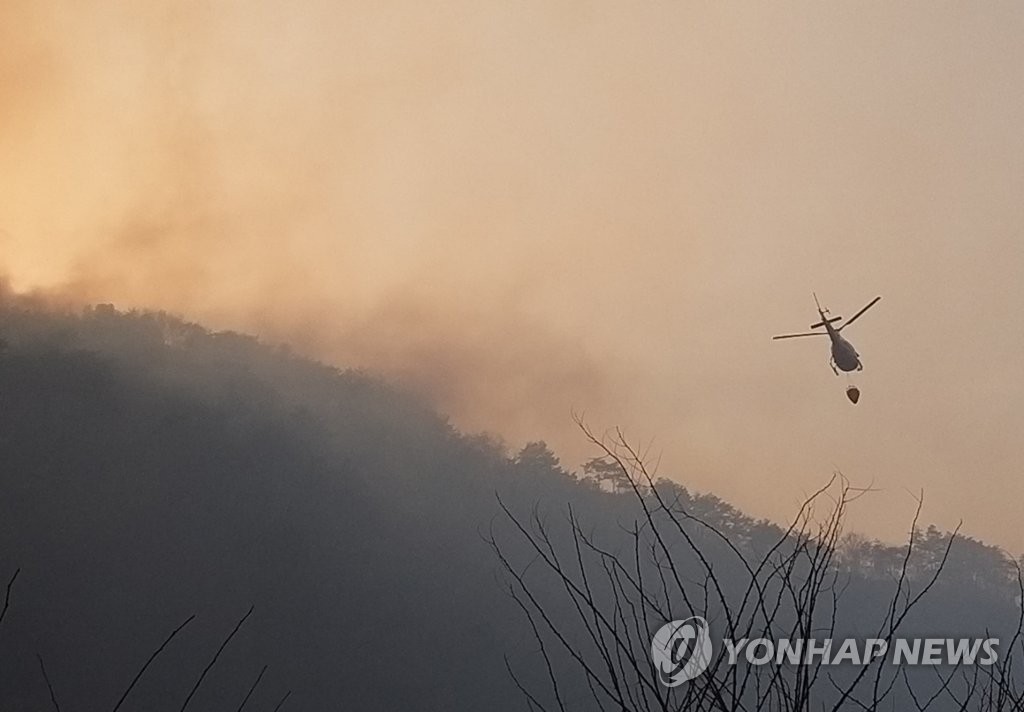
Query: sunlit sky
(526, 209)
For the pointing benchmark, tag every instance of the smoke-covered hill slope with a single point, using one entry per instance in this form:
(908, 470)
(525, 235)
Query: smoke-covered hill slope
(152, 470)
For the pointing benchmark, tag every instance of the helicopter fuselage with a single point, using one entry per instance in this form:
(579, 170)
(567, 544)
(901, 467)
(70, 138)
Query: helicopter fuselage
(844, 356)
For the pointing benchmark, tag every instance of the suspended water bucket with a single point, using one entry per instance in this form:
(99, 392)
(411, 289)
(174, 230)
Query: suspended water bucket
(853, 393)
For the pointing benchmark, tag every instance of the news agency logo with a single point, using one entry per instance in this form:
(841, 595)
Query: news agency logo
(681, 650)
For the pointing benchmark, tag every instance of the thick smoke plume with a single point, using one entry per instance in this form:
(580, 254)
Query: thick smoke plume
(524, 210)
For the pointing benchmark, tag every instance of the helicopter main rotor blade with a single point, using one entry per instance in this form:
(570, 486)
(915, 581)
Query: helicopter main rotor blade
(854, 317)
(797, 336)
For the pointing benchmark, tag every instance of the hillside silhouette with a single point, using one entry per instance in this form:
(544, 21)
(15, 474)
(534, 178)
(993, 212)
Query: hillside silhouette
(153, 469)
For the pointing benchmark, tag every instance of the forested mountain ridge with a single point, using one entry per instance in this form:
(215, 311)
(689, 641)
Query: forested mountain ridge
(153, 469)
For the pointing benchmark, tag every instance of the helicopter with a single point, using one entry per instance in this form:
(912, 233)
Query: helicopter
(844, 355)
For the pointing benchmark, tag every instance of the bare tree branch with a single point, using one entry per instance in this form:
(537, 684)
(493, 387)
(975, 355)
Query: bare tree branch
(252, 689)
(49, 686)
(7, 597)
(149, 660)
(214, 659)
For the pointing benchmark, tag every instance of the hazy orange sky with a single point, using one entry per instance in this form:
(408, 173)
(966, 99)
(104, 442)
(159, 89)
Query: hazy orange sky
(523, 209)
